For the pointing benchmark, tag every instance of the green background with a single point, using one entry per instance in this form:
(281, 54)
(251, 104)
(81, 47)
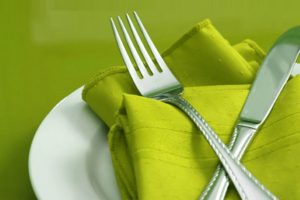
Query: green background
(48, 48)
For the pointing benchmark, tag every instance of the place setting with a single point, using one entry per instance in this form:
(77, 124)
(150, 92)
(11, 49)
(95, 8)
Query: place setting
(203, 120)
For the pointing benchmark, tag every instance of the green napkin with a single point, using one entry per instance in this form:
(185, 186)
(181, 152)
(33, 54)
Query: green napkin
(156, 150)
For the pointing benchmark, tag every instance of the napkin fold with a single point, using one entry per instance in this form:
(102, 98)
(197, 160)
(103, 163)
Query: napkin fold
(157, 151)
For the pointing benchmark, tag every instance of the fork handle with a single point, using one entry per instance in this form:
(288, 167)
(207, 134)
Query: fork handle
(218, 185)
(247, 186)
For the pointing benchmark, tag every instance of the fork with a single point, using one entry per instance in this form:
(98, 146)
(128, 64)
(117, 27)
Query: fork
(162, 85)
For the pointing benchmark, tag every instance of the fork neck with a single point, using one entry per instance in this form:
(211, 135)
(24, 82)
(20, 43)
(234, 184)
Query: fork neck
(168, 94)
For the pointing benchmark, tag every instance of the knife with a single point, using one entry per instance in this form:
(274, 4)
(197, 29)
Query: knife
(269, 82)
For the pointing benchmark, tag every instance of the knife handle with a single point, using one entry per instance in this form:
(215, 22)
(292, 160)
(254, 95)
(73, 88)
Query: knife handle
(247, 186)
(217, 187)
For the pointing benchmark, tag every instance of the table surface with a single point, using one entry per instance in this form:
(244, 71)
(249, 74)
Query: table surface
(48, 48)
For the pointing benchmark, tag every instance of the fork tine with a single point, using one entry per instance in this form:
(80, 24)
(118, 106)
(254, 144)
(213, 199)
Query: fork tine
(135, 55)
(141, 46)
(155, 52)
(124, 54)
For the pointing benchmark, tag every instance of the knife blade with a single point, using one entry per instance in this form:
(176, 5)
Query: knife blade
(269, 82)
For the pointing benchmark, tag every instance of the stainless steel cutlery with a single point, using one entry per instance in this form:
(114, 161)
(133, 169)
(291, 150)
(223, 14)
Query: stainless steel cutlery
(163, 85)
(269, 82)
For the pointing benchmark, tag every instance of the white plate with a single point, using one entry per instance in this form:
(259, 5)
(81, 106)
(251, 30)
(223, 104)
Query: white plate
(69, 156)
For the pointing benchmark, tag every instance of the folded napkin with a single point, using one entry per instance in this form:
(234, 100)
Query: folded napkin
(157, 151)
